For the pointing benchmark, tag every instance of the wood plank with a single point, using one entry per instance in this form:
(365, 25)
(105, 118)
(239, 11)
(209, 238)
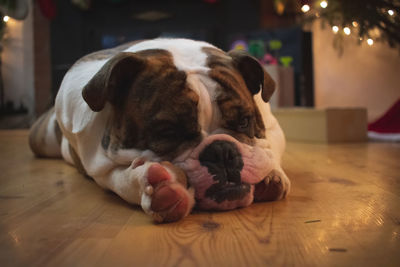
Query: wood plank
(344, 210)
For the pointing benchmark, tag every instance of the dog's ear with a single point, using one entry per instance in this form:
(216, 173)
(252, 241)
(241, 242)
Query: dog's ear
(113, 80)
(254, 74)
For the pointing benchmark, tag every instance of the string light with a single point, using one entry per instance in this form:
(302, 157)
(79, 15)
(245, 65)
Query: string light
(390, 12)
(6, 18)
(346, 30)
(305, 8)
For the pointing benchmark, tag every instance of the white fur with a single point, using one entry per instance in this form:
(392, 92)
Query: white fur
(187, 54)
(51, 147)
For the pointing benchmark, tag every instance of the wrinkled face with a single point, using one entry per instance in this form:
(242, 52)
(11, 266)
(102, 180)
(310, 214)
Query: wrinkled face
(205, 122)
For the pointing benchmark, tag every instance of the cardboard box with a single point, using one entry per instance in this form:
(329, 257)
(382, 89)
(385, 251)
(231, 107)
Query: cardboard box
(323, 125)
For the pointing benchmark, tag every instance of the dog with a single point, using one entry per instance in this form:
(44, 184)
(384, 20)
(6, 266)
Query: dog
(169, 124)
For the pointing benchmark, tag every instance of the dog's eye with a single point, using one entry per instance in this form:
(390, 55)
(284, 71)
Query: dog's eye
(243, 123)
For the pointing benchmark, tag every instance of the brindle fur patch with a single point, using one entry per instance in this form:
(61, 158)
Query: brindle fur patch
(234, 100)
(158, 111)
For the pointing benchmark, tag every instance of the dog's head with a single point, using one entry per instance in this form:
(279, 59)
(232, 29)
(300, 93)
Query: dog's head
(194, 107)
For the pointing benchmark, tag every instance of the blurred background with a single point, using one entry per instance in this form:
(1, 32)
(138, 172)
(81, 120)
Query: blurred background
(322, 54)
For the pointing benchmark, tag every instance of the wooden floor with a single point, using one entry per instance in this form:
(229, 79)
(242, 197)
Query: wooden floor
(344, 210)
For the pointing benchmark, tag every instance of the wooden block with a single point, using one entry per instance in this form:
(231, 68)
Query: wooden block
(284, 81)
(323, 125)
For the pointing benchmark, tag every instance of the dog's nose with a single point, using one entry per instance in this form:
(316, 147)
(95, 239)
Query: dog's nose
(223, 160)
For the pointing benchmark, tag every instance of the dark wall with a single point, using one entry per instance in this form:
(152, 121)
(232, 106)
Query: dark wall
(108, 23)
(75, 33)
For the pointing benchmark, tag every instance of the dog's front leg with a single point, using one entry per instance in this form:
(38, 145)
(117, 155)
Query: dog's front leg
(275, 186)
(160, 188)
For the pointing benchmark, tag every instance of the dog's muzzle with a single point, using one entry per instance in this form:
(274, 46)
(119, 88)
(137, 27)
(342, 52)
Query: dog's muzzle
(224, 161)
(223, 172)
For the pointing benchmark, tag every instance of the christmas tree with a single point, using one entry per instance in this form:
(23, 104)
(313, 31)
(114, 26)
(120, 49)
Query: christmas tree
(368, 20)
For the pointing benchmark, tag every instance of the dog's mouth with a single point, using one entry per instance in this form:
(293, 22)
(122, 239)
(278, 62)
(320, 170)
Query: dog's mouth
(220, 192)
(223, 172)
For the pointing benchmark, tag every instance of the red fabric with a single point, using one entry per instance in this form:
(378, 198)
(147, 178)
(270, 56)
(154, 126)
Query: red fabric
(48, 8)
(389, 122)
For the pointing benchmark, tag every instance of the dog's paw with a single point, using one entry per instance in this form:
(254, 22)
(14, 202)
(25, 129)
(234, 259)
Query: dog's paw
(169, 199)
(275, 186)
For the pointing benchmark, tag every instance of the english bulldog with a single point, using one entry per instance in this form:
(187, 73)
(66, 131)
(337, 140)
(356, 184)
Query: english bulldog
(169, 124)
